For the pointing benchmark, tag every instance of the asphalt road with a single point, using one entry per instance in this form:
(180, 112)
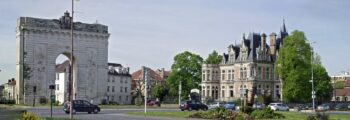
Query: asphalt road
(105, 114)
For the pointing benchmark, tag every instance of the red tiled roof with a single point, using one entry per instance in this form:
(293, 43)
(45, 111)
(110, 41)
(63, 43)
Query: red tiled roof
(342, 92)
(137, 75)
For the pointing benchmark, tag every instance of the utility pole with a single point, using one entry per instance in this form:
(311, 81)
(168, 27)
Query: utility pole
(313, 93)
(71, 66)
(180, 92)
(146, 86)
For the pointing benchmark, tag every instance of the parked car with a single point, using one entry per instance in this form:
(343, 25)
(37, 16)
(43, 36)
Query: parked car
(341, 106)
(81, 106)
(192, 105)
(258, 106)
(153, 102)
(323, 107)
(216, 105)
(278, 106)
(230, 105)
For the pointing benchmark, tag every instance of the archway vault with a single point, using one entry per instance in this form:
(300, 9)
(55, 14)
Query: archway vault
(43, 40)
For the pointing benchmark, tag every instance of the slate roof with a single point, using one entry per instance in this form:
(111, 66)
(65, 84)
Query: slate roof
(60, 68)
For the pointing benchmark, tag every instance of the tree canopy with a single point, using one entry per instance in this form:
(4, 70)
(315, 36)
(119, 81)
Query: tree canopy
(294, 68)
(213, 58)
(187, 69)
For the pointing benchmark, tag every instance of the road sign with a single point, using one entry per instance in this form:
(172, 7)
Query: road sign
(313, 96)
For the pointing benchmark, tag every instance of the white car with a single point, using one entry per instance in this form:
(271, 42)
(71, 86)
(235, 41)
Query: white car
(216, 105)
(323, 107)
(278, 106)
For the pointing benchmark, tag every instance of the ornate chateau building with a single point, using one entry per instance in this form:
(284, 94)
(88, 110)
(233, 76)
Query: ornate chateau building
(246, 66)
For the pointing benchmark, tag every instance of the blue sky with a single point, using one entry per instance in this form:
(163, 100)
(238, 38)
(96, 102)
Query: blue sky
(151, 32)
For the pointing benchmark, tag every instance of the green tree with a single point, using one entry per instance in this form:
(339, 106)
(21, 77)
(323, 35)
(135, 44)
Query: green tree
(187, 69)
(293, 66)
(213, 58)
(160, 91)
(323, 86)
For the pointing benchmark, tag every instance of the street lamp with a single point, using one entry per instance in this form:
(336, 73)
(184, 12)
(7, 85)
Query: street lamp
(313, 93)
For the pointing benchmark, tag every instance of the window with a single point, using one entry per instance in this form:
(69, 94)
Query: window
(203, 77)
(57, 87)
(229, 74)
(120, 98)
(107, 98)
(113, 79)
(57, 76)
(112, 98)
(233, 75)
(127, 98)
(126, 81)
(121, 79)
(112, 88)
(259, 73)
(241, 71)
(203, 93)
(208, 91)
(121, 89)
(231, 87)
(223, 93)
(126, 89)
(277, 86)
(107, 88)
(231, 93)
(109, 77)
(267, 73)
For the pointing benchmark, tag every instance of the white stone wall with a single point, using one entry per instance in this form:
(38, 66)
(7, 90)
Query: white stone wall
(43, 45)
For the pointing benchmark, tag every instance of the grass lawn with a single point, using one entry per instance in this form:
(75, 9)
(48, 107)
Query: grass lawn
(174, 114)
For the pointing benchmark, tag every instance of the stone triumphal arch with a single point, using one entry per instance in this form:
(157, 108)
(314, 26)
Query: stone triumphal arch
(40, 41)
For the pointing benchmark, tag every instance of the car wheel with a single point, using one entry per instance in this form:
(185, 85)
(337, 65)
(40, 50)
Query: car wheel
(189, 109)
(89, 112)
(66, 112)
(95, 111)
(182, 109)
(205, 109)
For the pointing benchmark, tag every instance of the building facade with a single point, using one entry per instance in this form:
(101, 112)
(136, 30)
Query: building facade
(343, 94)
(155, 77)
(9, 89)
(41, 41)
(61, 83)
(118, 87)
(344, 76)
(245, 68)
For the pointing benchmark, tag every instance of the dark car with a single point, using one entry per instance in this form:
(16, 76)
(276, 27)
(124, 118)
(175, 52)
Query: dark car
(341, 106)
(81, 106)
(193, 105)
(153, 102)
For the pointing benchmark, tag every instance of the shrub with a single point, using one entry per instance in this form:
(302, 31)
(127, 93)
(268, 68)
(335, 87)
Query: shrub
(43, 100)
(221, 114)
(29, 116)
(56, 103)
(247, 109)
(103, 102)
(318, 116)
(138, 101)
(266, 113)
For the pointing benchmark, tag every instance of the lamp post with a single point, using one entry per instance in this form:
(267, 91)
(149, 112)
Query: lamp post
(313, 93)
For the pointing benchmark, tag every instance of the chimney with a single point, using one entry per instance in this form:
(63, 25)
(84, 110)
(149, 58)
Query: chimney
(273, 43)
(263, 40)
